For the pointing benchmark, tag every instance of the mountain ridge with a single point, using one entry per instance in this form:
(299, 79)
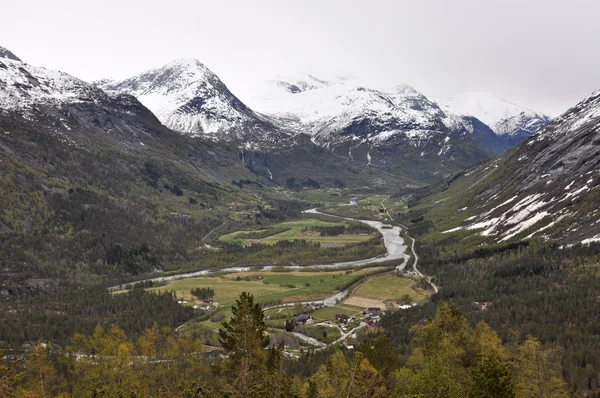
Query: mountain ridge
(188, 97)
(509, 121)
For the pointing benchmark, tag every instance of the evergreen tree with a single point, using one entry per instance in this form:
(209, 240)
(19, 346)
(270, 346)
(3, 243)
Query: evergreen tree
(244, 339)
(492, 379)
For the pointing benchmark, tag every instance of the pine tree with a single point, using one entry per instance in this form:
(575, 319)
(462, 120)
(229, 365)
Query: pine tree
(244, 339)
(492, 379)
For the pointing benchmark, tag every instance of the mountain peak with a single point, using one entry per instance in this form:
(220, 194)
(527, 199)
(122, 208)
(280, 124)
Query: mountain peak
(6, 53)
(405, 90)
(190, 64)
(188, 97)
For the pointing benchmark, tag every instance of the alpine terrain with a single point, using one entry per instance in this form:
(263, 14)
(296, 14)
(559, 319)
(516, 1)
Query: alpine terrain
(545, 187)
(514, 242)
(510, 122)
(161, 237)
(398, 128)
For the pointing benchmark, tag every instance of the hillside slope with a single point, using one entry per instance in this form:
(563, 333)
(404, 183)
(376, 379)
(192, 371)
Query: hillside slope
(547, 186)
(93, 183)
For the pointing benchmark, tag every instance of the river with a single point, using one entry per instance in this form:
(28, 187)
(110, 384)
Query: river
(394, 244)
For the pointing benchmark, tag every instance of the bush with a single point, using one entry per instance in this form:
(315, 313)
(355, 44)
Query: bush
(218, 317)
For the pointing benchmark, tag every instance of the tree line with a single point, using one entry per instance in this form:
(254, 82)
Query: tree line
(449, 359)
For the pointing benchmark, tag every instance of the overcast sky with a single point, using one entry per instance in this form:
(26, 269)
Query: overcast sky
(544, 54)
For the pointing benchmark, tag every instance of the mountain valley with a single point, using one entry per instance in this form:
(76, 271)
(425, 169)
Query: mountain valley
(370, 241)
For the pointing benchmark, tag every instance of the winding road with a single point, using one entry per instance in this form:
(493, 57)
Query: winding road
(208, 234)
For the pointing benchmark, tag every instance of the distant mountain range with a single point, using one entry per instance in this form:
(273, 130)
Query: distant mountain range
(395, 129)
(509, 121)
(180, 126)
(295, 121)
(327, 105)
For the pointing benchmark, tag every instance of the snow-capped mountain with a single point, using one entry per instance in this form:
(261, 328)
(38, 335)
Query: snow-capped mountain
(187, 97)
(71, 109)
(337, 109)
(548, 186)
(385, 127)
(510, 121)
(23, 86)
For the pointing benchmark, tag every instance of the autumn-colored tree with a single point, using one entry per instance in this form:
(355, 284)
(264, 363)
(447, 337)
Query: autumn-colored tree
(340, 378)
(103, 366)
(9, 378)
(40, 378)
(537, 371)
(165, 362)
(444, 348)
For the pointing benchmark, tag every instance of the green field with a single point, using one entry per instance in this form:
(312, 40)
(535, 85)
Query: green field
(286, 312)
(368, 208)
(316, 332)
(358, 212)
(293, 231)
(268, 286)
(328, 313)
(389, 287)
(226, 291)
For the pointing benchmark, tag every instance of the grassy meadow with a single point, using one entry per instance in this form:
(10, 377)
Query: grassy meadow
(292, 230)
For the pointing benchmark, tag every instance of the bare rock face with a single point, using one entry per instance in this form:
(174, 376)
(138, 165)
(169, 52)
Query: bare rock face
(35, 286)
(6, 53)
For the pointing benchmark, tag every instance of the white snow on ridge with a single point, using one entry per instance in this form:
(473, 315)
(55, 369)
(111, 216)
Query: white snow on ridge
(187, 97)
(324, 106)
(335, 105)
(503, 117)
(452, 230)
(521, 216)
(22, 85)
(584, 112)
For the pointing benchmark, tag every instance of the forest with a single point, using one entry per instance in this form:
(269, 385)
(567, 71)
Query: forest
(449, 358)
(531, 288)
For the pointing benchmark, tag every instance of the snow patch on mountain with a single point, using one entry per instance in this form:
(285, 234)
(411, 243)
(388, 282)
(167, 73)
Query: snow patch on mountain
(584, 113)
